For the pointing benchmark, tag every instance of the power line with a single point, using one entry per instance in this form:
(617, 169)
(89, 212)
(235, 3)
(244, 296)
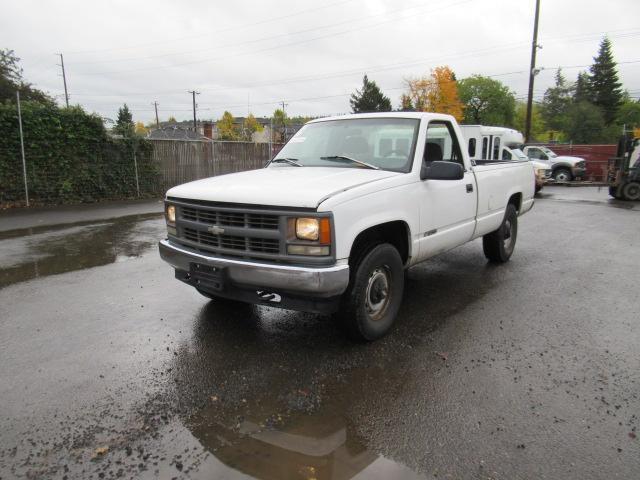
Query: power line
(299, 42)
(218, 31)
(262, 39)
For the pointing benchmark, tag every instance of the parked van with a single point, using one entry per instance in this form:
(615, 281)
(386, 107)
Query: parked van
(491, 143)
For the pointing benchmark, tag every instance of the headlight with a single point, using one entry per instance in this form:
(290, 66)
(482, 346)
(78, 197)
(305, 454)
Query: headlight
(308, 228)
(171, 214)
(315, 233)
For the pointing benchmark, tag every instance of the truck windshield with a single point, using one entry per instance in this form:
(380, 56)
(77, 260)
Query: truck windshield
(550, 153)
(385, 143)
(519, 154)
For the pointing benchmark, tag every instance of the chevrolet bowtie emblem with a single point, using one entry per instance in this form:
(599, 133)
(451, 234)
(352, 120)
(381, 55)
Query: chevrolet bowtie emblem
(216, 230)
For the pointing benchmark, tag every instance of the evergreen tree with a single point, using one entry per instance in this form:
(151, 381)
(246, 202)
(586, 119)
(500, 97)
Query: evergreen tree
(585, 123)
(606, 87)
(582, 90)
(124, 123)
(555, 103)
(369, 99)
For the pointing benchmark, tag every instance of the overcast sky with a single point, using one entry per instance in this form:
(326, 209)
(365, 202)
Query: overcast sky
(248, 55)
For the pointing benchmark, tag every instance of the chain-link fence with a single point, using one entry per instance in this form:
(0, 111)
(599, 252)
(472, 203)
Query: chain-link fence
(101, 171)
(66, 156)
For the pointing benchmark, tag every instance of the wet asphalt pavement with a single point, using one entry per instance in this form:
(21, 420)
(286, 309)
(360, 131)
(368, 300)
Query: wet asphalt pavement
(109, 367)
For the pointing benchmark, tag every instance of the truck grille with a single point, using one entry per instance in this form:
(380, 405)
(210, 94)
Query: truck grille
(237, 232)
(231, 219)
(231, 242)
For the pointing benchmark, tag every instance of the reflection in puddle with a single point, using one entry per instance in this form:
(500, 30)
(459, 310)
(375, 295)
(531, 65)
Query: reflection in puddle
(38, 252)
(299, 446)
(261, 405)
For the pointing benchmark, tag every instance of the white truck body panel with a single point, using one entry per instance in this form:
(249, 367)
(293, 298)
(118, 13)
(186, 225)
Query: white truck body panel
(435, 214)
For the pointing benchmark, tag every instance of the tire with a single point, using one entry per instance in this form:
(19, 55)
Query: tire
(631, 191)
(498, 245)
(538, 188)
(371, 303)
(562, 175)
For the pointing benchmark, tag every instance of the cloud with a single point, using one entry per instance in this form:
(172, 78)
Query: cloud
(246, 55)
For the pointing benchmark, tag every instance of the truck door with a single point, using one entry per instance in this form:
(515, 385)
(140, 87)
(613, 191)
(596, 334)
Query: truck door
(447, 207)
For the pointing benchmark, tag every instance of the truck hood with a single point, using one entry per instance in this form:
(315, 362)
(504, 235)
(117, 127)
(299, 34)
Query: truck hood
(279, 186)
(568, 159)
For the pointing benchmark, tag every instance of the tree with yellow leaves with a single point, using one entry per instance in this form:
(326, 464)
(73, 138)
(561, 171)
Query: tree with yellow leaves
(437, 92)
(141, 130)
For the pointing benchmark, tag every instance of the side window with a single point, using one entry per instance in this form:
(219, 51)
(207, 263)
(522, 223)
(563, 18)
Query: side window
(496, 148)
(506, 155)
(442, 143)
(472, 147)
(485, 148)
(534, 153)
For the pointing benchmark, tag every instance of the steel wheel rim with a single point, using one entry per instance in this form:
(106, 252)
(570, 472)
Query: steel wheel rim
(633, 191)
(562, 177)
(378, 293)
(508, 236)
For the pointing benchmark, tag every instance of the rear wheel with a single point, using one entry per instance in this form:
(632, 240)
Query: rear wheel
(498, 245)
(631, 191)
(562, 175)
(371, 303)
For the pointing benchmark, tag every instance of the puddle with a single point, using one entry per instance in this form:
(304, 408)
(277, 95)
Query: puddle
(262, 444)
(32, 253)
(268, 406)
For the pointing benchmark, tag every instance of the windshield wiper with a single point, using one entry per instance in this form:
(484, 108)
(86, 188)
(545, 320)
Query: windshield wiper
(354, 160)
(290, 161)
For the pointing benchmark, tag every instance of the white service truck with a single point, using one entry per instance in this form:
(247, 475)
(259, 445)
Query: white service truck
(563, 167)
(347, 205)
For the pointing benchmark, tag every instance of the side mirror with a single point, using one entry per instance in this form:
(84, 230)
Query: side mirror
(544, 157)
(440, 170)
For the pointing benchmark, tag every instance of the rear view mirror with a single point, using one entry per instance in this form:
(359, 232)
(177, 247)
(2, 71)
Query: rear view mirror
(441, 170)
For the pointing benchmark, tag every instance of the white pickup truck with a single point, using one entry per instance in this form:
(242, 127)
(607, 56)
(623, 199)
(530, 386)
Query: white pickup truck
(563, 168)
(347, 205)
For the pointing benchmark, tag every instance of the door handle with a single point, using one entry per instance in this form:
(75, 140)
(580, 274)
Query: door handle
(469, 187)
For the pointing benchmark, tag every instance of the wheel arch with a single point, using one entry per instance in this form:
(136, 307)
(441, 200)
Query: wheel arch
(395, 232)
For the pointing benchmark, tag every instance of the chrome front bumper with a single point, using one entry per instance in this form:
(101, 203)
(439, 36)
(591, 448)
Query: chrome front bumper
(315, 281)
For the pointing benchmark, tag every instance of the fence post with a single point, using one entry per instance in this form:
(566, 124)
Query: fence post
(135, 164)
(24, 161)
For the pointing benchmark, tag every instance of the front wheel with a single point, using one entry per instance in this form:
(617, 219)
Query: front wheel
(498, 245)
(562, 175)
(371, 303)
(631, 191)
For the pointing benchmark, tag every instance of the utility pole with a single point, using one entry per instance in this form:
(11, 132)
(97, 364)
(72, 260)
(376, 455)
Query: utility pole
(532, 74)
(64, 79)
(155, 105)
(195, 125)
